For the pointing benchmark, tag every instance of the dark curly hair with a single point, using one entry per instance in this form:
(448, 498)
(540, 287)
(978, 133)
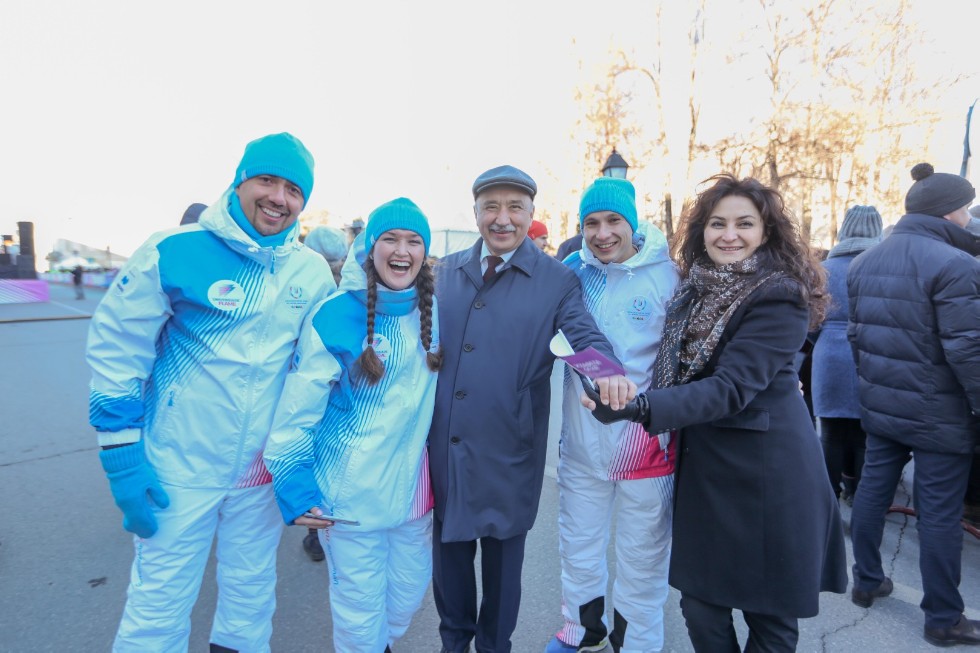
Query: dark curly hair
(786, 249)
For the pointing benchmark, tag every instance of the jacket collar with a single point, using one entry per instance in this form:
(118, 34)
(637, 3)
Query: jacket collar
(651, 247)
(937, 228)
(218, 220)
(525, 258)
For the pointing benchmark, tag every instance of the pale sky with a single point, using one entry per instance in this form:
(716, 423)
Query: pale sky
(118, 114)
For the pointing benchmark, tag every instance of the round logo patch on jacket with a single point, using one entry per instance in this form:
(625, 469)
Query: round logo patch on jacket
(297, 300)
(639, 308)
(226, 295)
(381, 347)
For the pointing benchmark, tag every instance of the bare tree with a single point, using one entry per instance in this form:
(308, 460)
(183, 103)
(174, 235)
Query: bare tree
(843, 111)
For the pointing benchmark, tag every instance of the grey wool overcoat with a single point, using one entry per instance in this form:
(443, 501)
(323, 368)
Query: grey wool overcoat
(489, 430)
(756, 524)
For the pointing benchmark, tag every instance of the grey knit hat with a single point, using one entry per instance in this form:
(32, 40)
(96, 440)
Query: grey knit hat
(973, 226)
(860, 230)
(328, 242)
(937, 193)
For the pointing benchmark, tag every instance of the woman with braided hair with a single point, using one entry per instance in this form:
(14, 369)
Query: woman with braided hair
(756, 525)
(347, 451)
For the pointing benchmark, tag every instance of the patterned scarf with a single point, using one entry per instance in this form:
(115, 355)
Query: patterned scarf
(699, 311)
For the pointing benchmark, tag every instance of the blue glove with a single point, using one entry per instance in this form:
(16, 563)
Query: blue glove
(134, 485)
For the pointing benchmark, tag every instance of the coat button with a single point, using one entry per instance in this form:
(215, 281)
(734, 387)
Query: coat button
(454, 440)
(478, 304)
(467, 347)
(460, 394)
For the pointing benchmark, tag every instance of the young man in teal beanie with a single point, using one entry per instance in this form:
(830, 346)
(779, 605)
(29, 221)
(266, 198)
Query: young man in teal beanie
(616, 471)
(189, 352)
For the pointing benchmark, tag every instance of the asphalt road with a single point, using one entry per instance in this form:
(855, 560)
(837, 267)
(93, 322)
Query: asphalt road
(64, 558)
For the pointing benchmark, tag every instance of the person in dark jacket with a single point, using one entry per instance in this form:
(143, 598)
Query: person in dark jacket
(915, 330)
(501, 302)
(756, 525)
(78, 281)
(192, 213)
(971, 505)
(568, 246)
(834, 380)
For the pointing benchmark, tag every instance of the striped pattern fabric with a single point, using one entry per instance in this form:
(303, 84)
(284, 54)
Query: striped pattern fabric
(23, 291)
(364, 456)
(190, 347)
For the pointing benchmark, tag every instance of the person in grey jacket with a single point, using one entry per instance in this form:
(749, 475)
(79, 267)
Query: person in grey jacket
(915, 330)
(504, 300)
(833, 374)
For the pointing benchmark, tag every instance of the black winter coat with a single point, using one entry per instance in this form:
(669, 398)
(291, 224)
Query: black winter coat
(756, 524)
(915, 330)
(489, 432)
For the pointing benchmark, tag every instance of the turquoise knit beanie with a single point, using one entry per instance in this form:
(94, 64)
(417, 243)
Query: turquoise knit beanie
(609, 194)
(401, 213)
(280, 155)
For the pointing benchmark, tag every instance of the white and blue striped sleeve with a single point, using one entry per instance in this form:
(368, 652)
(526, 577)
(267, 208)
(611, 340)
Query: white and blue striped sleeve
(289, 453)
(122, 346)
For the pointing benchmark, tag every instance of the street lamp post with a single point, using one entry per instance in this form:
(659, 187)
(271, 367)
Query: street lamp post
(615, 166)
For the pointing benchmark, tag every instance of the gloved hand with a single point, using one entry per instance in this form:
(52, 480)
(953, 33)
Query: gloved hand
(637, 410)
(134, 485)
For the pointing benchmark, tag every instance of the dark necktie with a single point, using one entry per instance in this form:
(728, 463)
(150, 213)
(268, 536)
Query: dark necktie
(492, 263)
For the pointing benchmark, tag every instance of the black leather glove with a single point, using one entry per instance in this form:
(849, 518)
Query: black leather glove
(637, 410)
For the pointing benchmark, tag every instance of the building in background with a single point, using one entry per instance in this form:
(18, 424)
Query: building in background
(65, 252)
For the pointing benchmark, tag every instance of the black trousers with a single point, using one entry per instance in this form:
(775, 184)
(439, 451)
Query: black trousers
(973, 488)
(712, 630)
(843, 442)
(454, 589)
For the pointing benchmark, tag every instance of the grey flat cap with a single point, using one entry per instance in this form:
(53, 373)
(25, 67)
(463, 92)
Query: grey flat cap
(505, 176)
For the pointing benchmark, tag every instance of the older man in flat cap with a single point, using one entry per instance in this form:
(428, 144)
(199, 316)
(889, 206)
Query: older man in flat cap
(501, 301)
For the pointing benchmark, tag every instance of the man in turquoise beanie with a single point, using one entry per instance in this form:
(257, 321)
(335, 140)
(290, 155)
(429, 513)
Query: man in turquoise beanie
(272, 185)
(616, 473)
(189, 352)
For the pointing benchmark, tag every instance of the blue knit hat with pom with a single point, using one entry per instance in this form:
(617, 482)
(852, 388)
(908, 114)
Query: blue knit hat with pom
(279, 155)
(401, 213)
(609, 194)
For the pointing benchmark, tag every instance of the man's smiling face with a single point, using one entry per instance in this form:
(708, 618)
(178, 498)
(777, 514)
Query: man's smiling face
(271, 204)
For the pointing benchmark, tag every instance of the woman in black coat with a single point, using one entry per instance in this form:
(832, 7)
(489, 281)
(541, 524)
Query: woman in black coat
(756, 524)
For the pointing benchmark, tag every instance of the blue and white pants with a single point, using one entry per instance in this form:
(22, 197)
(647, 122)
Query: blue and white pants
(377, 582)
(168, 568)
(642, 509)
